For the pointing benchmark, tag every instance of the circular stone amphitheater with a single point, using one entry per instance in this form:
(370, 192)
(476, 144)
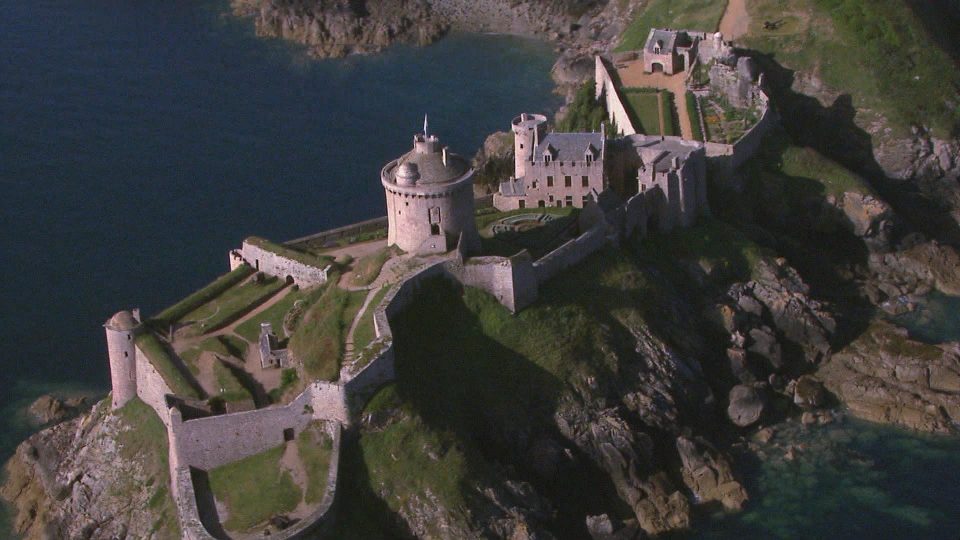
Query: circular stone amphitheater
(520, 223)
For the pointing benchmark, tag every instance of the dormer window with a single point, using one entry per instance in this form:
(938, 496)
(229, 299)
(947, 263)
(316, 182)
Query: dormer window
(589, 158)
(546, 158)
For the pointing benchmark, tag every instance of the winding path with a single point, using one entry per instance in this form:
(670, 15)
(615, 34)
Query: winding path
(735, 21)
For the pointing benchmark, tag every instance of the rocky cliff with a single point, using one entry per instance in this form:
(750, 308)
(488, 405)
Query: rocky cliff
(97, 476)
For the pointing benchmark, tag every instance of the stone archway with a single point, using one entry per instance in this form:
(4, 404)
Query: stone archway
(656, 67)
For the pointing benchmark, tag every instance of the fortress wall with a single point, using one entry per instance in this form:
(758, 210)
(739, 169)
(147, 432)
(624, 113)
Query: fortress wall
(749, 144)
(333, 235)
(615, 109)
(151, 388)
(185, 499)
(207, 443)
(327, 400)
(276, 265)
(570, 253)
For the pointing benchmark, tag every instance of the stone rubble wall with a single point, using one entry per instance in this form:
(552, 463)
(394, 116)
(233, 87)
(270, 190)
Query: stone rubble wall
(207, 443)
(340, 233)
(749, 144)
(606, 89)
(273, 264)
(151, 388)
(570, 253)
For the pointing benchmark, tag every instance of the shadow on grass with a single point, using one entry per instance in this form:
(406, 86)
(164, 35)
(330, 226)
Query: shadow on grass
(833, 132)
(207, 505)
(497, 404)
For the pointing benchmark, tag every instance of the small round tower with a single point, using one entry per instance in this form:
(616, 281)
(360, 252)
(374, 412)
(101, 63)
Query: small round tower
(121, 331)
(528, 130)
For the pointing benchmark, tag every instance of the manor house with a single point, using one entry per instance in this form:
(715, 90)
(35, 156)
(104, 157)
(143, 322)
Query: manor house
(573, 169)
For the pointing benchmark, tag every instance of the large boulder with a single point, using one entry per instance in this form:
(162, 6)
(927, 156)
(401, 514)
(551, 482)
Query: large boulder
(709, 475)
(746, 406)
(808, 393)
(884, 376)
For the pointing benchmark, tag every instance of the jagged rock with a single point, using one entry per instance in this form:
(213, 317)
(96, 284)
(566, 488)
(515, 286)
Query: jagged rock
(765, 344)
(866, 213)
(48, 409)
(76, 480)
(916, 270)
(780, 290)
(808, 393)
(709, 475)
(765, 435)
(884, 376)
(746, 405)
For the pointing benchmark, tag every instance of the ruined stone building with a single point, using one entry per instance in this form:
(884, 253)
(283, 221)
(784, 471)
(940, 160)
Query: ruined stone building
(552, 169)
(429, 194)
(671, 172)
(674, 51)
(271, 354)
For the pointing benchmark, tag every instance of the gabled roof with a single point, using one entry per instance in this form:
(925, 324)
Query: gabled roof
(568, 146)
(666, 37)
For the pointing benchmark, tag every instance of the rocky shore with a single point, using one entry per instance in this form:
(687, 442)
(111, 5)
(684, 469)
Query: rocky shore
(335, 28)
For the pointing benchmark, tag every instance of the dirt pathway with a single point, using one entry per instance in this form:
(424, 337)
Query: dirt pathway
(181, 344)
(292, 463)
(632, 76)
(735, 21)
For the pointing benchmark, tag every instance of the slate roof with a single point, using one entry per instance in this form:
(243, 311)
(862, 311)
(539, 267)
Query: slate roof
(122, 320)
(668, 37)
(431, 168)
(569, 146)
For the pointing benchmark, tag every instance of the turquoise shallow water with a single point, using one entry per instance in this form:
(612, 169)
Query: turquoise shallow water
(140, 140)
(852, 480)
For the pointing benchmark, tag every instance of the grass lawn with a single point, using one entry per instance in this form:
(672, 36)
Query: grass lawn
(365, 333)
(254, 489)
(232, 304)
(393, 453)
(645, 109)
(179, 310)
(318, 340)
(315, 447)
(835, 178)
(222, 345)
(538, 240)
(694, 116)
(158, 353)
(145, 440)
(714, 244)
(250, 328)
(366, 270)
(703, 15)
(231, 389)
(897, 69)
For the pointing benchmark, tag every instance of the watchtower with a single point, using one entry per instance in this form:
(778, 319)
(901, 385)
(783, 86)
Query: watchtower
(429, 194)
(528, 131)
(121, 332)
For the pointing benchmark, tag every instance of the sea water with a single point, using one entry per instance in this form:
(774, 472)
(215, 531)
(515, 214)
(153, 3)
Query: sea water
(141, 140)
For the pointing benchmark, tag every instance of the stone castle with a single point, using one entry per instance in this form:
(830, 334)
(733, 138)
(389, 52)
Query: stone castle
(624, 187)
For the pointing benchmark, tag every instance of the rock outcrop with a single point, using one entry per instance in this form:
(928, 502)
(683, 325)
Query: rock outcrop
(884, 376)
(94, 477)
(49, 409)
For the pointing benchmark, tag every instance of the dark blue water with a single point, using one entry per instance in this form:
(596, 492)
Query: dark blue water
(142, 139)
